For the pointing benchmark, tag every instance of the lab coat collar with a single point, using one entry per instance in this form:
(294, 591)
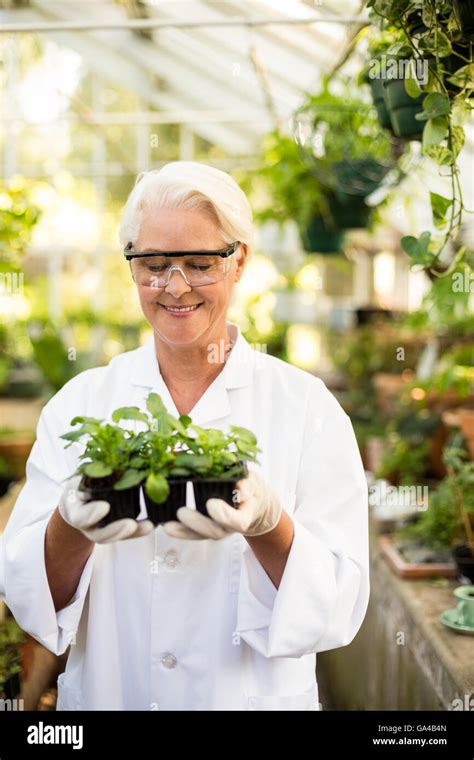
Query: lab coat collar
(214, 403)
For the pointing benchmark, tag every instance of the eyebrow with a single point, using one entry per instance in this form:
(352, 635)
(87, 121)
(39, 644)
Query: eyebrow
(179, 250)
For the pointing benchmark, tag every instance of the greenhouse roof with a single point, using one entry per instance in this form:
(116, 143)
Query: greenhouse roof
(228, 70)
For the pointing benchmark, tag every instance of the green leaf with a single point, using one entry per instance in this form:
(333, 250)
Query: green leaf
(435, 104)
(193, 461)
(157, 487)
(155, 405)
(229, 457)
(137, 462)
(185, 420)
(245, 434)
(129, 413)
(439, 207)
(436, 41)
(198, 429)
(73, 435)
(244, 448)
(460, 111)
(412, 85)
(435, 130)
(439, 154)
(464, 77)
(129, 479)
(458, 139)
(77, 420)
(178, 425)
(399, 49)
(418, 248)
(97, 470)
(180, 472)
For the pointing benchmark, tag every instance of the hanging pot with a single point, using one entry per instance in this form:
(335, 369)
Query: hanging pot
(403, 109)
(319, 237)
(350, 211)
(464, 14)
(357, 177)
(376, 88)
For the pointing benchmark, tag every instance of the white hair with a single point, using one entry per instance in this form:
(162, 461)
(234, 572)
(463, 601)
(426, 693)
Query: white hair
(189, 185)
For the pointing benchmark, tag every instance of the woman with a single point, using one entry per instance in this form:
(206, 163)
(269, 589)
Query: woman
(219, 613)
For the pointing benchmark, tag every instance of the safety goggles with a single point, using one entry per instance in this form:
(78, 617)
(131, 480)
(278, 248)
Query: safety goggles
(154, 269)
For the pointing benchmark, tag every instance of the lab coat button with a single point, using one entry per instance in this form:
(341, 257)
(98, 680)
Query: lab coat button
(169, 661)
(171, 559)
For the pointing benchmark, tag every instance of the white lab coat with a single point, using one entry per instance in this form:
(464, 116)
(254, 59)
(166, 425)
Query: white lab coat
(168, 624)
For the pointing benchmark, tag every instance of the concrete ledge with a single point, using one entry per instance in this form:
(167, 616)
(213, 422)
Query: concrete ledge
(403, 658)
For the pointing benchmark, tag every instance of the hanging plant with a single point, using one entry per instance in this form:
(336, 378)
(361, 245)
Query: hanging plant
(283, 188)
(437, 38)
(322, 176)
(18, 216)
(341, 141)
(384, 75)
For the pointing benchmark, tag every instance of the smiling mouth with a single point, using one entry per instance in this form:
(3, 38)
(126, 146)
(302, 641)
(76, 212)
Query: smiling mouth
(181, 309)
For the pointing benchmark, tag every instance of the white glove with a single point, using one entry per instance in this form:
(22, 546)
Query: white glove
(258, 512)
(84, 516)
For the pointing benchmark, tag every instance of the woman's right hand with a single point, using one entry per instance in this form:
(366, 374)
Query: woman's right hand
(85, 515)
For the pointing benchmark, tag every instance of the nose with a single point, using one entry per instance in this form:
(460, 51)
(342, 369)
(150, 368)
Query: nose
(177, 284)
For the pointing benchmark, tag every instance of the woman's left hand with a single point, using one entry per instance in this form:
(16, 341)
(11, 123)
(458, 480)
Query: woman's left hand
(258, 512)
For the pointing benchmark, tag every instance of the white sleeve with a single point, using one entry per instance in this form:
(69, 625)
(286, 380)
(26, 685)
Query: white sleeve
(27, 592)
(323, 595)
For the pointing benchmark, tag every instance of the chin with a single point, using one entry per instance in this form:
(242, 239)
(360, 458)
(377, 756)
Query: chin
(179, 334)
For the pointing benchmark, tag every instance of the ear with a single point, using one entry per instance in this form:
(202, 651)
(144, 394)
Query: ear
(242, 261)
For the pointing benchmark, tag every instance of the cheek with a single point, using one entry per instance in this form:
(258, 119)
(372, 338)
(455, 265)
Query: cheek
(147, 296)
(219, 297)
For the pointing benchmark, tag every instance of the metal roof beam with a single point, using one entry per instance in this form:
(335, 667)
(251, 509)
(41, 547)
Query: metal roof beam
(117, 68)
(134, 24)
(178, 76)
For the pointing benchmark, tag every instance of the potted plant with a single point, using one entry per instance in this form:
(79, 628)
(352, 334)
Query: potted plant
(325, 194)
(405, 461)
(164, 477)
(11, 639)
(320, 235)
(6, 476)
(375, 83)
(284, 188)
(380, 65)
(111, 464)
(15, 447)
(217, 460)
(341, 141)
(160, 458)
(448, 521)
(213, 460)
(404, 106)
(435, 36)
